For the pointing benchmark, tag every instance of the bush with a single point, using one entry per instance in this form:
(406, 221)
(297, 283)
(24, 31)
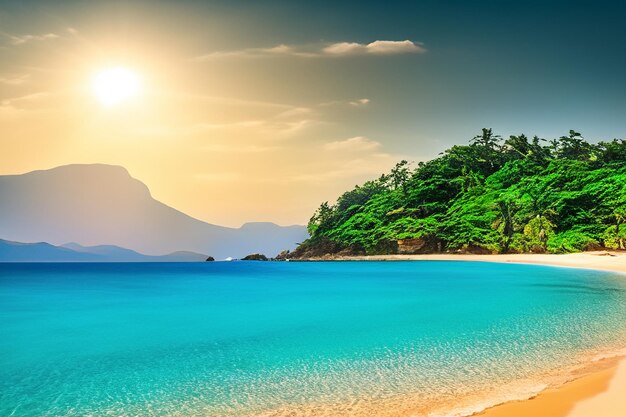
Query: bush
(537, 233)
(614, 239)
(571, 241)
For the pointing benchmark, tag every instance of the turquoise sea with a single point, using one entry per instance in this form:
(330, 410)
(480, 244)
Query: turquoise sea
(274, 338)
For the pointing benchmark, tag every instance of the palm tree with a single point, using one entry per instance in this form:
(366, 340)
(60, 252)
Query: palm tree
(489, 149)
(487, 139)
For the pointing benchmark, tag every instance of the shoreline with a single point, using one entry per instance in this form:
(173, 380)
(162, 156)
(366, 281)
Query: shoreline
(611, 261)
(596, 392)
(578, 392)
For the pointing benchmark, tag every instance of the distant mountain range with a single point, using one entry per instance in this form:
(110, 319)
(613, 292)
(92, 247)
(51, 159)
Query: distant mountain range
(73, 252)
(97, 205)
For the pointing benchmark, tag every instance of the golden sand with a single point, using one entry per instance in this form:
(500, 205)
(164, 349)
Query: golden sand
(598, 394)
(603, 260)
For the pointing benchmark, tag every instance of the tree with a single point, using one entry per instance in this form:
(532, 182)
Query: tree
(505, 224)
(487, 140)
(573, 147)
(400, 175)
(612, 152)
(518, 146)
(489, 151)
(320, 220)
(615, 235)
(538, 230)
(524, 195)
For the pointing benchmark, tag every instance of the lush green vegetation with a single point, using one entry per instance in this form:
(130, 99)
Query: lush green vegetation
(513, 195)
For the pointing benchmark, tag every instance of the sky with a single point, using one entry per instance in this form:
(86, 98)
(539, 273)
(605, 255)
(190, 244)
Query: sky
(260, 111)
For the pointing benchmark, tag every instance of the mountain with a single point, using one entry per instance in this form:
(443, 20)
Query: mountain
(41, 252)
(112, 253)
(100, 204)
(73, 252)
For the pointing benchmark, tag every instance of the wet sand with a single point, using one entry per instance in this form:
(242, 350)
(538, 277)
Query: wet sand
(598, 394)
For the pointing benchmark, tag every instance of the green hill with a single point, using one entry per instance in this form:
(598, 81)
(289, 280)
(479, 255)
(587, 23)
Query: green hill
(493, 195)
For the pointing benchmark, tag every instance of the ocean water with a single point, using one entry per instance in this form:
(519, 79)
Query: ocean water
(270, 338)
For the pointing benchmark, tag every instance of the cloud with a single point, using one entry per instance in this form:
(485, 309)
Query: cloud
(22, 39)
(357, 143)
(14, 80)
(343, 48)
(277, 128)
(276, 121)
(335, 172)
(358, 169)
(278, 50)
(295, 112)
(339, 49)
(197, 128)
(375, 48)
(360, 102)
(234, 101)
(33, 101)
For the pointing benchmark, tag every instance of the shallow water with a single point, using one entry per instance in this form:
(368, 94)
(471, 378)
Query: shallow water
(241, 338)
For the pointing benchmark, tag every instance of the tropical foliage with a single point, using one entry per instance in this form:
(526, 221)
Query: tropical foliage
(515, 195)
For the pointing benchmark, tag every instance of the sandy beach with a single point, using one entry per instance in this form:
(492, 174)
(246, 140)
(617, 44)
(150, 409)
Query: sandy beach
(601, 260)
(597, 393)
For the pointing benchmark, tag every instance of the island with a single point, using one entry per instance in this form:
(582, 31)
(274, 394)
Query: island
(519, 195)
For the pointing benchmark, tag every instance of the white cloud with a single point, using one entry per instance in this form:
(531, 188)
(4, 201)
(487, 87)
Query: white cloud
(375, 48)
(295, 112)
(360, 102)
(22, 39)
(279, 49)
(357, 143)
(395, 47)
(352, 103)
(343, 48)
(339, 49)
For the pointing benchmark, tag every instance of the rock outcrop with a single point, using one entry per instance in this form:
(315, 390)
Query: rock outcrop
(282, 256)
(255, 257)
(410, 246)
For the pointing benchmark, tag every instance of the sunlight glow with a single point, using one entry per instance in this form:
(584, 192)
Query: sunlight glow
(115, 85)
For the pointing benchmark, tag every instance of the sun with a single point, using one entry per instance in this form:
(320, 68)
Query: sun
(115, 85)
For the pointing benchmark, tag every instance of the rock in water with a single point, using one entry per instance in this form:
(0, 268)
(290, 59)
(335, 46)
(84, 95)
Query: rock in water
(255, 257)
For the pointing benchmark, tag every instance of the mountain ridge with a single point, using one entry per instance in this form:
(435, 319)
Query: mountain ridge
(11, 251)
(99, 204)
